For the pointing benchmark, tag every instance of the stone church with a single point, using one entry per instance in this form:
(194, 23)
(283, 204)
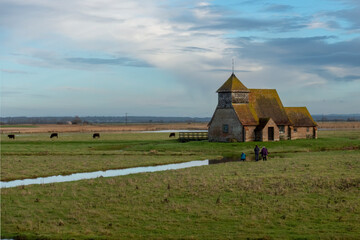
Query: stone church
(244, 115)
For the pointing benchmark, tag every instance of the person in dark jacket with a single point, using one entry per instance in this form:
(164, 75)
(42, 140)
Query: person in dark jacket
(243, 157)
(256, 150)
(264, 152)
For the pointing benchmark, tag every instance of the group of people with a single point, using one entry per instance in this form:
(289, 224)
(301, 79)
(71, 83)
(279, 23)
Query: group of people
(264, 153)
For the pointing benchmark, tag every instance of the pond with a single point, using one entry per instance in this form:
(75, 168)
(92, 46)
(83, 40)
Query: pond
(112, 173)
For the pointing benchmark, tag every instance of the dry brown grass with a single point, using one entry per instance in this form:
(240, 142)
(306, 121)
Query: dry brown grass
(44, 128)
(340, 125)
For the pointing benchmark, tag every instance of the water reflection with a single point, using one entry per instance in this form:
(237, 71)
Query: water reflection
(108, 173)
(225, 160)
(113, 173)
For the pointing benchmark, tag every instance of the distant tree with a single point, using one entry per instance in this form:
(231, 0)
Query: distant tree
(76, 120)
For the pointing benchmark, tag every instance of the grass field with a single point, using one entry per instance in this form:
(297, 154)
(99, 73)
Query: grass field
(309, 189)
(103, 128)
(76, 128)
(34, 155)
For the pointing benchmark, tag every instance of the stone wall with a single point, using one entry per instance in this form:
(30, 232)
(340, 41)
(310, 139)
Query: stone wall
(224, 100)
(285, 135)
(264, 132)
(303, 132)
(249, 133)
(221, 117)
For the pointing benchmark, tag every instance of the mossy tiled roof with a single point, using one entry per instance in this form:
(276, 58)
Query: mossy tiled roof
(233, 84)
(246, 114)
(300, 117)
(267, 104)
(263, 105)
(262, 123)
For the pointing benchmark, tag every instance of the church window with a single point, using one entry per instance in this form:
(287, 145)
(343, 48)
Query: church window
(281, 129)
(225, 128)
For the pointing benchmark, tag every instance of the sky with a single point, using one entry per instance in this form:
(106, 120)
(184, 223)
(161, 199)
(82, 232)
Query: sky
(168, 58)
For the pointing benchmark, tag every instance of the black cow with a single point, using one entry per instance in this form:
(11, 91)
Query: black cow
(54, 135)
(172, 135)
(11, 136)
(96, 135)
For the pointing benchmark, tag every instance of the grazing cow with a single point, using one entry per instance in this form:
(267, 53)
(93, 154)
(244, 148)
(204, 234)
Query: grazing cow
(54, 135)
(172, 135)
(11, 136)
(96, 135)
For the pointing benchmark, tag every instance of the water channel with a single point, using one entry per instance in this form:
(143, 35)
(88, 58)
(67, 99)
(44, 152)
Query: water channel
(111, 173)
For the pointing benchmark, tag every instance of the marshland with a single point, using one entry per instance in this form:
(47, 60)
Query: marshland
(307, 189)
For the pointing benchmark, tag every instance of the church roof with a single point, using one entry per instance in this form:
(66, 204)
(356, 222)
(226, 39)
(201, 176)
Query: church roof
(300, 117)
(267, 104)
(262, 123)
(233, 84)
(246, 114)
(263, 105)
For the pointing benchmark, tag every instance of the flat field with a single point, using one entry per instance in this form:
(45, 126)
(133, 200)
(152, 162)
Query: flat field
(308, 189)
(61, 128)
(48, 128)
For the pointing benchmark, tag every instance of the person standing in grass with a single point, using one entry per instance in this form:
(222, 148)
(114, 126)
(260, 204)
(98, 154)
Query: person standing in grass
(243, 156)
(256, 150)
(264, 152)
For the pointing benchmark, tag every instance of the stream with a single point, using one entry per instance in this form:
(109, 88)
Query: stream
(112, 173)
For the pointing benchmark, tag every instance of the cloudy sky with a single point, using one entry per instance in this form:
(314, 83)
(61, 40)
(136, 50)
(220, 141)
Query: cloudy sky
(168, 58)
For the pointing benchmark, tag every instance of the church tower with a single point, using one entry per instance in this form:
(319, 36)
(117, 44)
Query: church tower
(225, 124)
(232, 91)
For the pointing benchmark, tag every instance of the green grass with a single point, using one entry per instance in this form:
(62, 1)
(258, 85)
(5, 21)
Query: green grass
(34, 155)
(304, 196)
(309, 189)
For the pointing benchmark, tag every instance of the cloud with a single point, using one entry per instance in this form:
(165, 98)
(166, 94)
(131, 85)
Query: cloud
(331, 76)
(278, 8)
(187, 45)
(312, 51)
(285, 24)
(195, 49)
(124, 61)
(11, 71)
(319, 24)
(316, 60)
(227, 70)
(350, 15)
(78, 89)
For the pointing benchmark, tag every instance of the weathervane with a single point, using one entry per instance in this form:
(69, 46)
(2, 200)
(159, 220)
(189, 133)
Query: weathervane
(232, 66)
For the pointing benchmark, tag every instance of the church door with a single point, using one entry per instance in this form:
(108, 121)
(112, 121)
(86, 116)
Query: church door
(271, 133)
